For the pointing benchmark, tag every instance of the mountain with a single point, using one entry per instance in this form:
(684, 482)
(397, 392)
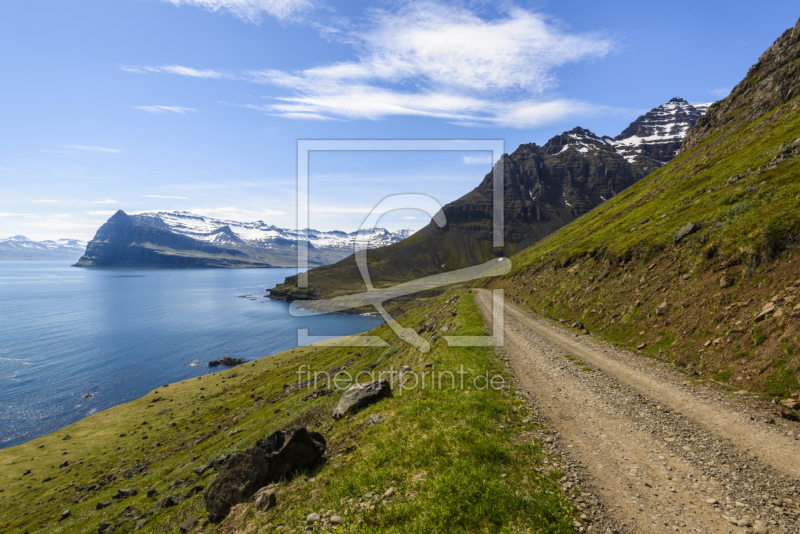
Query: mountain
(658, 134)
(546, 188)
(181, 239)
(699, 264)
(21, 248)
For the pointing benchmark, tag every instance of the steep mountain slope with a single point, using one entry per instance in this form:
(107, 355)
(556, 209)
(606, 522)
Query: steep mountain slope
(697, 263)
(545, 188)
(183, 240)
(419, 459)
(21, 248)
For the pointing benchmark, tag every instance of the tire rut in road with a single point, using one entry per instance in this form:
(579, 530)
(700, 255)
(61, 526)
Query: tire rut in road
(653, 467)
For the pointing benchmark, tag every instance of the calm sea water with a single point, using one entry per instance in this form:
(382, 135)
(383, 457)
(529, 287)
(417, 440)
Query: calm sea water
(118, 334)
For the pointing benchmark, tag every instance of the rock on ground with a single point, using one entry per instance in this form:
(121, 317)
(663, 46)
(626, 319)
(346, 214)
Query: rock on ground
(279, 455)
(360, 396)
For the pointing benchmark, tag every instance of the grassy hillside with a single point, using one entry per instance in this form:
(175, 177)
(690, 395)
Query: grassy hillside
(462, 460)
(697, 301)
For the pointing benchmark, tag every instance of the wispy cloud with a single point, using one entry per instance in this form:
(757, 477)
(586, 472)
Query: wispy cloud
(478, 159)
(107, 213)
(166, 196)
(8, 214)
(176, 69)
(105, 201)
(722, 92)
(86, 148)
(436, 60)
(251, 10)
(47, 201)
(164, 109)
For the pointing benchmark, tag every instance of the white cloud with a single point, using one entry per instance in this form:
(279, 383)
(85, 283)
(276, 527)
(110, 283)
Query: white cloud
(105, 201)
(85, 148)
(478, 159)
(463, 68)
(435, 60)
(7, 214)
(179, 70)
(722, 92)
(47, 201)
(164, 109)
(166, 196)
(102, 212)
(251, 10)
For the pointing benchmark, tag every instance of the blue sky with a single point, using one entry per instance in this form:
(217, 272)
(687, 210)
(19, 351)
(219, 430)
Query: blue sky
(198, 104)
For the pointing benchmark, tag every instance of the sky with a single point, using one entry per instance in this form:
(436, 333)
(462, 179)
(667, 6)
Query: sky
(198, 105)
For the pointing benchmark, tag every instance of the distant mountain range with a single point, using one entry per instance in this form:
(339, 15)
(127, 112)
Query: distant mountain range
(180, 239)
(21, 248)
(546, 187)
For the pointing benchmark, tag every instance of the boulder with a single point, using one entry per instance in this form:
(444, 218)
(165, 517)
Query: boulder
(796, 311)
(124, 493)
(375, 419)
(685, 231)
(360, 396)
(65, 514)
(279, 455)
(265, 499)
(189, 524)
(767, 310)
(165, 502)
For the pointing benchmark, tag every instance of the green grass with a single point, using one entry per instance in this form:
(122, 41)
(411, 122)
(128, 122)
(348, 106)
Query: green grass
(758, 335)
(463, 460)
(783, 381)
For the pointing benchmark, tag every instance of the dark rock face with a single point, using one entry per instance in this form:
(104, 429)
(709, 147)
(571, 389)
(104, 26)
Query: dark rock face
(360, 396)
(772, 82)
(227, 361)
(279, 455)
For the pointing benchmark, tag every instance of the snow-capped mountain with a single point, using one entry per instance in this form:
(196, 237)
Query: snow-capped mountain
(657, 135)
(260, 234)
(179, 239)
(20, 247)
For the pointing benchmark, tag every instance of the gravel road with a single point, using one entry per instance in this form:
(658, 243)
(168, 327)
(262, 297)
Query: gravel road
(650, 451)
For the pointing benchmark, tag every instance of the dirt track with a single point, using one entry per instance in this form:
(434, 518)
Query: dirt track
(650, 451)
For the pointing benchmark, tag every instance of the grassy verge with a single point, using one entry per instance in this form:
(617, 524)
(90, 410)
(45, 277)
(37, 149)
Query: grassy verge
(459, 459)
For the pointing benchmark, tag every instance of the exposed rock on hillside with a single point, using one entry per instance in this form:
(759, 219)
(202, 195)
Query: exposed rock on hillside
(773, 81)
(360, 396)
(279, 455)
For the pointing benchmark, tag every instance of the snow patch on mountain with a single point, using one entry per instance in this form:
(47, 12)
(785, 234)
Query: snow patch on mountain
(263, 235)
(19, 247)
